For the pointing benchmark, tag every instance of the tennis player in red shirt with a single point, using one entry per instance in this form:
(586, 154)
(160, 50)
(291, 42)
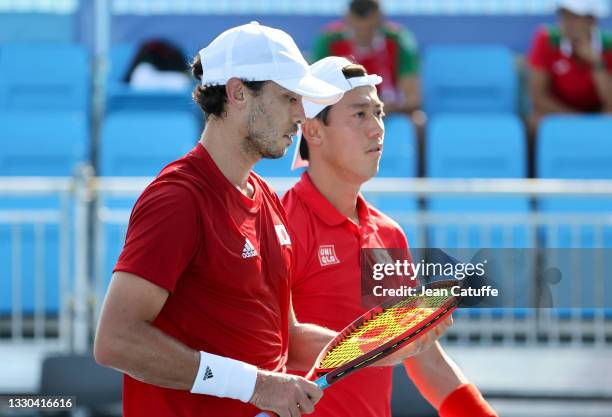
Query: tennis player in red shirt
(342, 145)
(198, 313)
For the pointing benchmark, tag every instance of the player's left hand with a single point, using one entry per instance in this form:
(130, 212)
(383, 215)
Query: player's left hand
(420, 345)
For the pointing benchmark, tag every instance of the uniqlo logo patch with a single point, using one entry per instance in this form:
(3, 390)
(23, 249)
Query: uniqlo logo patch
(327, 255)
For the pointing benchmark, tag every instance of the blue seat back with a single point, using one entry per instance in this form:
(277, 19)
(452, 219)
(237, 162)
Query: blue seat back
(45, 77)
(120, 57)
(468, 79)
(34, 143)
(400, 148)
(477, 146)
(399, 160)
(577, 147)
(142, 143)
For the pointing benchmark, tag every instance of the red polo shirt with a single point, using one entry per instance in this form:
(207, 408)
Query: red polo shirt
(325, 287)
(571, 80)
(225, 259)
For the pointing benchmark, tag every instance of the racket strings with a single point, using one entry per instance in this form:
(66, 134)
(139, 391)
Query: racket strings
(380, 329)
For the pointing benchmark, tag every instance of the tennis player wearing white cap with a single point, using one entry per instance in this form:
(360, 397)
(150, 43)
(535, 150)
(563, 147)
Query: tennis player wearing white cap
(342, 146)
(198, 313)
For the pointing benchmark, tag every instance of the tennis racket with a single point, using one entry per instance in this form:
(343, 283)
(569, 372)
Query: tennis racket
(382, 331)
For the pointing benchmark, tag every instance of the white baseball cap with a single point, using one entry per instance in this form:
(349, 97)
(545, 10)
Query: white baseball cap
(330, 70)
(256, 52)
(580, 7)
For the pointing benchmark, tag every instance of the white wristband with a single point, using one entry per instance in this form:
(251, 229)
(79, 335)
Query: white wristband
(224, 377)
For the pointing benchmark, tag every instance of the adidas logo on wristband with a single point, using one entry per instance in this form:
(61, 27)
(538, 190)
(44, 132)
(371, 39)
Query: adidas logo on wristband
(207, 374)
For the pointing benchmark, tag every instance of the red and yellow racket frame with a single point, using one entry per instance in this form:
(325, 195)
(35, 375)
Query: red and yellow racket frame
(325, 377)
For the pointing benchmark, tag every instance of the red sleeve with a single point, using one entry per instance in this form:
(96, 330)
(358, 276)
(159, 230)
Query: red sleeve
(162, 235)
(539, 55)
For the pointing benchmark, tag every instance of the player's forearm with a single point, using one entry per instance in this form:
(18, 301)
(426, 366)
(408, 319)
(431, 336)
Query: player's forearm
(603, 85)
(435, 374)
(147, 354)
(545, 103)
(305, 342)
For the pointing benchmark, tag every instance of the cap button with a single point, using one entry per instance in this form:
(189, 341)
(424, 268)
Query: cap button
(254, 22)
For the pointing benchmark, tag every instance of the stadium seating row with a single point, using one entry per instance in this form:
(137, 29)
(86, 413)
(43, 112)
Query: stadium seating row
(477, 145)
(138, 143)
(465, 79)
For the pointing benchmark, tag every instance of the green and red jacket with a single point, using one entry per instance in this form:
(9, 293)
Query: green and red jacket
(571, 80)
(392, 56)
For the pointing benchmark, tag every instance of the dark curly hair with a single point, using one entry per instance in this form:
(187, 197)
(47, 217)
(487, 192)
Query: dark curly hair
(350, 71)
(211, 99)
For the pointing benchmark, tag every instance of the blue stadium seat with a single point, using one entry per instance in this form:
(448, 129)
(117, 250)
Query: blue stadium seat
(36, 144)
(400, 157)
(399, 160)
(44, 77)
(142, 143)
(119, 59)
(577, 147)
(480, 146)
(571, 147)
(476, 146)
(121, 97)
(469, 79)
(137, 144)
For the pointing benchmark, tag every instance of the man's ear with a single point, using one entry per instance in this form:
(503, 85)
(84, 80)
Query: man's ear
(312, 131)
(236, 95)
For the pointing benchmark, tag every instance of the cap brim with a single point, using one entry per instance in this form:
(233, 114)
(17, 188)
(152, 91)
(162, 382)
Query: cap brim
(312, 109)
(312, 89)
(298, 162)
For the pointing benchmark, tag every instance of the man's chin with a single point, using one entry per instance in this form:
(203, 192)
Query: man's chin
(274, 154)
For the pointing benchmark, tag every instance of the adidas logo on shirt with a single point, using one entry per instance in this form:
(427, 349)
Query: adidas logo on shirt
(208, 374)
(249, 250)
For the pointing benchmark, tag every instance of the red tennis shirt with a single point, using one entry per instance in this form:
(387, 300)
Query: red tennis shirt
(325, 287)
(571, 80)
(226, 261)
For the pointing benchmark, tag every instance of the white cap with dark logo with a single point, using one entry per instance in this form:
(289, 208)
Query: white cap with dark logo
(254, 52)
(330, 70)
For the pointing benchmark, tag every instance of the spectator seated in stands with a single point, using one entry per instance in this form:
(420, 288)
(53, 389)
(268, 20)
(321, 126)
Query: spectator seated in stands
(158, 65)
(571, 65)
(382, 47)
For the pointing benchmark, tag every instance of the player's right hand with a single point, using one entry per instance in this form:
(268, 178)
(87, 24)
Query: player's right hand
(285, 395)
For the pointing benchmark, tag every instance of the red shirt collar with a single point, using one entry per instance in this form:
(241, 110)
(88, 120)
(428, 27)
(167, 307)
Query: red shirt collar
(323, 208)
(210, 167)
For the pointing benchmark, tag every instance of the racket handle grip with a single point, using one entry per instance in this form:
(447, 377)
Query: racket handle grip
(321, 382)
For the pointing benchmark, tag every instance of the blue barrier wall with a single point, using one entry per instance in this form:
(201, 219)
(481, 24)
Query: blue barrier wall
(193, 32)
